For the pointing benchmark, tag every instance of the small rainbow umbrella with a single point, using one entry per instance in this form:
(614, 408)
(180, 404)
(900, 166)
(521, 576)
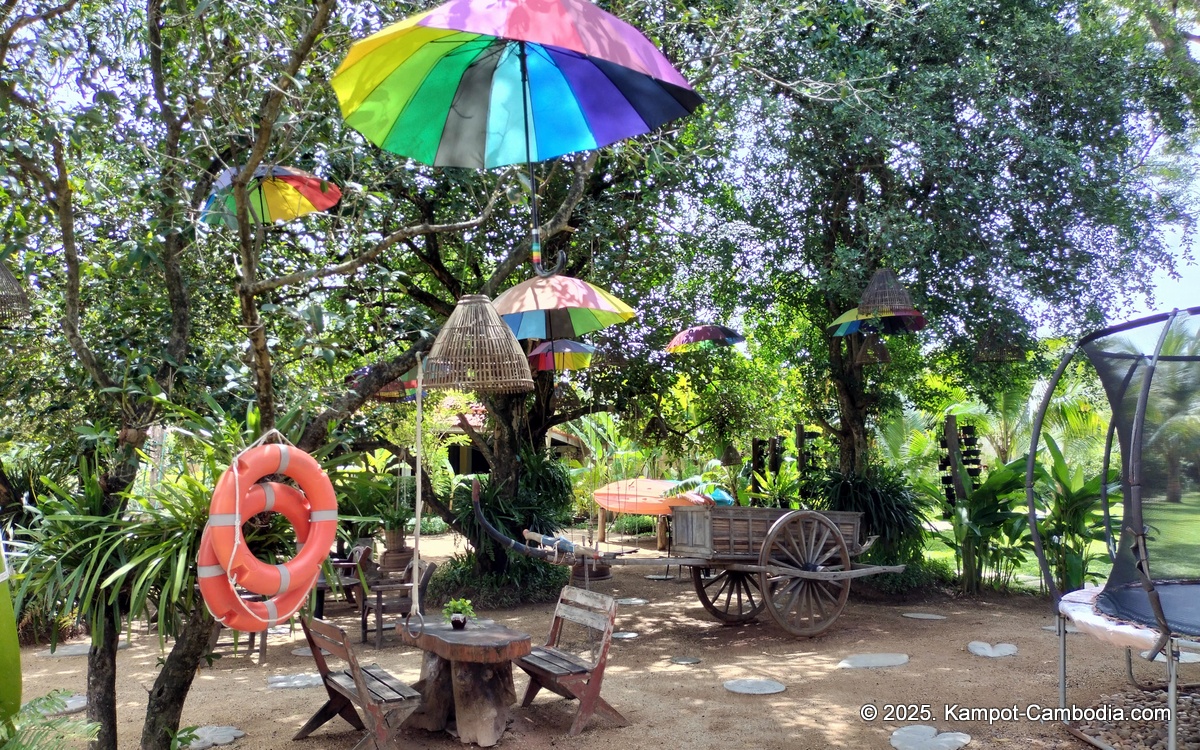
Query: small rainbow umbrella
(403, 389)
(559, 307)
(488, 83)
(703, 337)
(888, 320)
(274, 194)
(561, 354)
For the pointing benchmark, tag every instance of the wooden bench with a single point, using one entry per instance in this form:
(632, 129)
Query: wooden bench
(571, 675)
(385, 701)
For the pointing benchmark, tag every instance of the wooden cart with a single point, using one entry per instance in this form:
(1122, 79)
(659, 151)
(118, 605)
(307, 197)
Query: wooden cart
(796, 564)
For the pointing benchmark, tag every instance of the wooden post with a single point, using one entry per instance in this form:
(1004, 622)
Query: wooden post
(662, 533)
(801, 459)
(776, 452)
(956, 466)
(756, 462)
(602, 532)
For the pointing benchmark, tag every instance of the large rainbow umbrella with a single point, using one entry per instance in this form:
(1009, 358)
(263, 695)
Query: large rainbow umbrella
(703, 337)
(559, 307)
(887, 320)
(489, 83)
(561, 354)
(274, 194)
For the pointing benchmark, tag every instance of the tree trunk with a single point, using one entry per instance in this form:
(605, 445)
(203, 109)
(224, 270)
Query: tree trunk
(165, 705)
(102, 674)
(853, 445)
(1174, 476)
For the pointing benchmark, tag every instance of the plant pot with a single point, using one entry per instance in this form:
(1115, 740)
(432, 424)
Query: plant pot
(947, 480)
(970, 440)
(974, 471)
(393, 539)
(458, 622)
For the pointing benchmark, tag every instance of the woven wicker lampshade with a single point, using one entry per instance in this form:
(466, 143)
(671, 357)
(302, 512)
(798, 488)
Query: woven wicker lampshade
(14, 304)
(477, 351)
(873, 351)
(884, 294)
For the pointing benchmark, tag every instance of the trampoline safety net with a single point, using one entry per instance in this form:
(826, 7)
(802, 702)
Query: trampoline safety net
(1150, 370)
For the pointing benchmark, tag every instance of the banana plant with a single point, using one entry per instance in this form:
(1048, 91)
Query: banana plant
(1072, 519)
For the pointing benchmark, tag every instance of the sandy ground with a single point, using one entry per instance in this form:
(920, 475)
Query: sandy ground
(672, 705)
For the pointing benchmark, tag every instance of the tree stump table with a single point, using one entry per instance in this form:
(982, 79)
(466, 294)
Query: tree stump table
(466, 675)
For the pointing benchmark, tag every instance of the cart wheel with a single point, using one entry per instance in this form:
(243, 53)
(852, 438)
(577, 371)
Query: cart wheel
(732, 596)
(804, 542)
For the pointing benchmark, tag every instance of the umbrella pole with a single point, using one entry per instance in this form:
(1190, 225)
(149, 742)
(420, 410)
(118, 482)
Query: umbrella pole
(536, 245)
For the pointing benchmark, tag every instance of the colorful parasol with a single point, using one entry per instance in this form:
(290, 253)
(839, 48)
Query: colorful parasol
(274, 194)
(704, 337)
(559, 307)
(886, 320)
(488, 83)
(402, 389)
(561, 355)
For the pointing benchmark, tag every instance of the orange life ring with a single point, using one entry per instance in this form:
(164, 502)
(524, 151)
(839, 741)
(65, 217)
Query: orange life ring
(224, 558)
(231, 610)
(228, 512)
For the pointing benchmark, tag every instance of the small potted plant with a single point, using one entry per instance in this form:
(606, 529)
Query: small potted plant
(457, 612)
(395, 518)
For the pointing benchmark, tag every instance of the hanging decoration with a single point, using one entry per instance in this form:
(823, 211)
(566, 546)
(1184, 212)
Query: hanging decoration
(274, 193)
(559, 307)
(482, 84)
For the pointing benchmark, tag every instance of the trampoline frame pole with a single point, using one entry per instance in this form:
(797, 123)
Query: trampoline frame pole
(1172, 693)
(1062, 660)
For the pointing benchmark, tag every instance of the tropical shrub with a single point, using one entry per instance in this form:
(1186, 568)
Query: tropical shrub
(526, 580)
(1072, 520)
(890, 508)
(986, 532)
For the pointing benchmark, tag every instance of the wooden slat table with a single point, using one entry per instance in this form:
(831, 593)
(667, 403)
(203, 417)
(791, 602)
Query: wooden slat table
(466, 674)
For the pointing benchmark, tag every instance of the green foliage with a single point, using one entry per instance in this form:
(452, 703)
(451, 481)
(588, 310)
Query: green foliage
(1073, 519)
(919, 574)
(432, 525)
(458, 607)
(890, 511)
(986, 532)
(526, 580)
(33, 729)
(780, 489)
(632, 524)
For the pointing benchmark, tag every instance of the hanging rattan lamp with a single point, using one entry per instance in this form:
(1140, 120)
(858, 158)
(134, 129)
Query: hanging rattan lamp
(873, 351)
(477, 351)
(884, 295)
(14, 303)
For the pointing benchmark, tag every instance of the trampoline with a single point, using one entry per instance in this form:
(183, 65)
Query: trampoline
(1150, 371)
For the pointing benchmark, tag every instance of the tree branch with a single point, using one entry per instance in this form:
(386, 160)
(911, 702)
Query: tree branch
(22, 21)
(400, 235)
(557, 223)
(477, 439)
(583, 411)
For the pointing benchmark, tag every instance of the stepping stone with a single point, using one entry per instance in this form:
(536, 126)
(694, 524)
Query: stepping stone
(294, 681)
(660, 577)
(684, 660)
(1185, 657)
(870, 661)
(754, 686)
(632, 600)
(922, 616)
(982, 648)
(306, 651)
(77, 649)
(624, 635)
(210, 736)
(72, 704)
(276, 630)
(925, 737)
(1054, 628)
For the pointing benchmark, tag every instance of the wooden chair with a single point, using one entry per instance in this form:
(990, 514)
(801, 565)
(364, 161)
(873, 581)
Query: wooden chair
(351, 572)
(389, 597)
(385, 701)
(569, 674)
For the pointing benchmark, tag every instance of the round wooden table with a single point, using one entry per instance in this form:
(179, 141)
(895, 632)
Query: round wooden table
(466, 674)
